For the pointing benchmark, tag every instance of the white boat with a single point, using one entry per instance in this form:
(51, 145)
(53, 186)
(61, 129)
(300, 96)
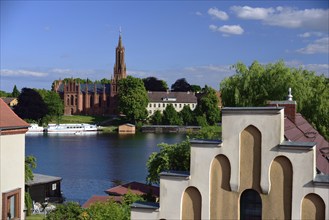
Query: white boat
(35, 128)
(71, 128)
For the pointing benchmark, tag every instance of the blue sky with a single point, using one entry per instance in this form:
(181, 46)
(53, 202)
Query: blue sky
(42, 41)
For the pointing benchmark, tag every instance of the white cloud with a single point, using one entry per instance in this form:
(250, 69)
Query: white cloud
(7, 72)
(227, 29)
(313, 19)
(217, 14)
(198, 13)
(247, 12)
(310, 34)
(318, 46)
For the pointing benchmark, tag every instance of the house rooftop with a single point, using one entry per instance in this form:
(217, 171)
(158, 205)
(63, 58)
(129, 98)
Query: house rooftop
(41, 179)
(101, 199)
(9, 121)
(134, 187)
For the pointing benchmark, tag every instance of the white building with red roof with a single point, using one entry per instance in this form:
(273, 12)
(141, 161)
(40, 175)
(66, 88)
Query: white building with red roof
(12, 162)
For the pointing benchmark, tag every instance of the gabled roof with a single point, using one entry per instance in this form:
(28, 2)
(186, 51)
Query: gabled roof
(133, 187)
(169, 97)
(302, 131)
(41, 179)
(10, 123)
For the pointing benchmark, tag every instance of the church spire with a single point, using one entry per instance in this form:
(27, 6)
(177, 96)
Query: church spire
(120, 38)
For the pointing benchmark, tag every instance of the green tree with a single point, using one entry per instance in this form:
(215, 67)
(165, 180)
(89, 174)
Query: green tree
(154, 84)
(196, 88)
(54, 104)
(187, 115)
(208, 106)
(171, 157)
(4, 94)
(257, 84)
(30, 164)
(133, 99)
(30, 105)
(171, 117)
(67, 211)
(156, 118)
(15, 92)
(181, 85)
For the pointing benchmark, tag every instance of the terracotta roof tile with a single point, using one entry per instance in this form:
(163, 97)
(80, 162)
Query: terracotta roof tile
(134, 187)
(302, 131)
(9, 121)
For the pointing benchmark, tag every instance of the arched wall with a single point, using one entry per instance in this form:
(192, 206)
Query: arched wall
(222, 201)
(191, 204)
(313, 207)
(278, 203)
(250, 158)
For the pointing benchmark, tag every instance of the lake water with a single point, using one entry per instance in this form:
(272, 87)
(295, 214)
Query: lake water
(89, 163)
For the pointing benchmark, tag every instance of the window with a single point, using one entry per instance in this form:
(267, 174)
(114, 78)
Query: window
(250, 205)
(72, 99)
(11, 204)
(53, 186)
(163, 105)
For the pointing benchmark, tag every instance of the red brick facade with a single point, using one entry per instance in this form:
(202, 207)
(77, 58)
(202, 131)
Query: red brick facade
(94, 99)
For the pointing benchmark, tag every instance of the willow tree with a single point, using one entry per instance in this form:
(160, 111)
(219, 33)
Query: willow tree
(257, 84)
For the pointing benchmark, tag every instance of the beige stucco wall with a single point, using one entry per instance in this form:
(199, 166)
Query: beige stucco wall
(281, 176)
(12, 171)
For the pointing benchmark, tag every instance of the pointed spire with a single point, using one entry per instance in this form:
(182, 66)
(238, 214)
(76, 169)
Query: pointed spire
(120, 40)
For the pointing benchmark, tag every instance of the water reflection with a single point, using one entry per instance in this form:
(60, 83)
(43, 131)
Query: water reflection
(89, 163)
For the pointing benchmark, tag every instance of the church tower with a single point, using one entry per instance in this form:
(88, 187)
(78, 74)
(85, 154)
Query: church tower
(119, 70)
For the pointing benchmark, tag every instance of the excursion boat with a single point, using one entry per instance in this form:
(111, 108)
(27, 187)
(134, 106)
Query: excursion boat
(35, 129)
(71, 128)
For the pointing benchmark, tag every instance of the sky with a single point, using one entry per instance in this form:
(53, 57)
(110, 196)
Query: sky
(43, 41)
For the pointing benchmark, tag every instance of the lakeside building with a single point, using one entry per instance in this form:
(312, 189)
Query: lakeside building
(256, 172)
(12, 163)
(102, 99)
(94, 99)
(160, 100)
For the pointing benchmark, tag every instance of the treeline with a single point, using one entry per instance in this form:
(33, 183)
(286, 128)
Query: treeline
(39, 106)
(257, 84)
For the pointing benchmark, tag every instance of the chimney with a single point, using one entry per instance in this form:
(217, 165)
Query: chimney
(290, 106)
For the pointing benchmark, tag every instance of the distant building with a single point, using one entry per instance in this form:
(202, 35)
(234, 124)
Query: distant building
(94, 99)
(160, 100)
(12, 163)
(253, 173)
(127, 129)
(10, 101)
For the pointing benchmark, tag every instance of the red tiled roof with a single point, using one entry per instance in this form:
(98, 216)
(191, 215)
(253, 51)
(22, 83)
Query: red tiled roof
(101, 199)
(10, 123)
(134, 187)
(302, 131)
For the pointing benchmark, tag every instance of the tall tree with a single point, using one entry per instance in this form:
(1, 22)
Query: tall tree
(54, 104)
(181, 85)
(156, 118)
(30, 105)
(133, 99)
(171, 117)
(196, 88)
(15, 92)
(154, 84)
(187, 115)
(208, 106)
(257, 84)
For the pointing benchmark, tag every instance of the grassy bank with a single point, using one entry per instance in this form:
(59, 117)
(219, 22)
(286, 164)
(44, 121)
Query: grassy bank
(66, 119)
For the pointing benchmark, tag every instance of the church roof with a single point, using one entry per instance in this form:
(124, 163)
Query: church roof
(172, 97)
(90, 88)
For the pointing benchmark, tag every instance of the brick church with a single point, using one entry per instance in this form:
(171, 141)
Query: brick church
(96, 98)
